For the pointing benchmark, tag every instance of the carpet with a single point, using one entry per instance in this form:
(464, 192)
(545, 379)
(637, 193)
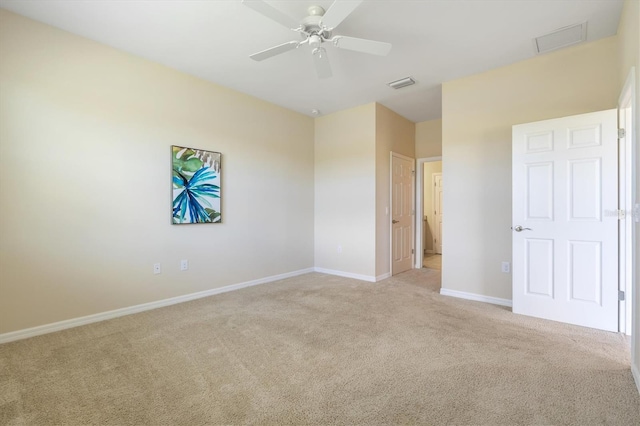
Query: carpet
(322, 350)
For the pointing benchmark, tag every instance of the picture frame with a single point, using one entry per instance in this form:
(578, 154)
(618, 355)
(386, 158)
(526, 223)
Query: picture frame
(196, 180)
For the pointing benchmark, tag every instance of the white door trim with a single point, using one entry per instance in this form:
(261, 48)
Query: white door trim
(627, 254)
(420, 206)
(627, 191)
(433, 203)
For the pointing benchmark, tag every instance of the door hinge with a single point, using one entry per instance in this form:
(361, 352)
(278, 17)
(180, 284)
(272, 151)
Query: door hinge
(620, 295)
(411, 251)
(413, 172)
(622, 133)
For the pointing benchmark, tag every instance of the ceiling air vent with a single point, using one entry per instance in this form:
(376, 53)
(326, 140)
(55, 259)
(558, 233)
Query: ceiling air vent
(558, 39)
(403, 82)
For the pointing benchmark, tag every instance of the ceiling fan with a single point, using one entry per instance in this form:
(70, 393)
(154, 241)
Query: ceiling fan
(316, 29)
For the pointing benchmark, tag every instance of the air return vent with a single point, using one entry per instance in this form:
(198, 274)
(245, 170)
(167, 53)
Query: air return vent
(558, 39)
(403, 82)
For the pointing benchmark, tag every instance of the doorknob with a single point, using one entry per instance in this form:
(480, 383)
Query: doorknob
(520, 229)
(395, 221)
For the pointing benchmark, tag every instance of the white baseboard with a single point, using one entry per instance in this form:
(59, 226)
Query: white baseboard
(476, 297)
(75, 322)
(360, 277)
(636, 375)
(383, 276)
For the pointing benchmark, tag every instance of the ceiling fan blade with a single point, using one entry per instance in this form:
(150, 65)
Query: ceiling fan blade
(321, 62)
(272, 13)
(362, 45)
(337, 12)
(275, 50)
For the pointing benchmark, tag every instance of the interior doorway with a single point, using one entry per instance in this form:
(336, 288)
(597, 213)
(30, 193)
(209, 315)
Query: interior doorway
(429, 213)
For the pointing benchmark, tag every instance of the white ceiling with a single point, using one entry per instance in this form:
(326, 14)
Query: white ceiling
(433, 40)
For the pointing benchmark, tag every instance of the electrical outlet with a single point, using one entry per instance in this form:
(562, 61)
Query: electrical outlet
(184, 264)
(156, 268)
(506, 267)
(339, 249)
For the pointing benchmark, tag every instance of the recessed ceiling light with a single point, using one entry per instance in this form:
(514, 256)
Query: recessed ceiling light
(403, 82)
(315, 111)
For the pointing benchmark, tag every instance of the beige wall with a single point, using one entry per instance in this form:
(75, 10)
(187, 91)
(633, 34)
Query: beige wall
(427, 197)
(429, 139)
(85, 180)
(393, 133)
(478, 113)
(345, 191)
(629, 38)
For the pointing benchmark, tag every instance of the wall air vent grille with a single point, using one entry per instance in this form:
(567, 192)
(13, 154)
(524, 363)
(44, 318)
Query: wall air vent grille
(560, 38)
(403, 82)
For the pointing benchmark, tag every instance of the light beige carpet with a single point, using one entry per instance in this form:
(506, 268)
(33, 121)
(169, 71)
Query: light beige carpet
(322, 350)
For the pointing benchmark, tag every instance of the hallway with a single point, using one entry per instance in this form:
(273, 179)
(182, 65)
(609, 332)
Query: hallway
(432, 261)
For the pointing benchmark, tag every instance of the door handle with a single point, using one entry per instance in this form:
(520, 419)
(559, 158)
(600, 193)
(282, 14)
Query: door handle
(395, 221)
(520, 229)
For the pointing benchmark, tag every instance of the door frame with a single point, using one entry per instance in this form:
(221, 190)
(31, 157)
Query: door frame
(627, 265)
(419, 206)
(433, 203)
(631, 163)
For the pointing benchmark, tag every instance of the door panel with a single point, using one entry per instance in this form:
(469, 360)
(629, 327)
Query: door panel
(402, 196)
(539, 267)
(539, 196)
(585, 181)
(585, 271)
(565, 258)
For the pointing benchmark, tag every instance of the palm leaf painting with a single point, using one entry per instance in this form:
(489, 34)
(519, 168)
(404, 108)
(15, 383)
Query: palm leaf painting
(196, 185)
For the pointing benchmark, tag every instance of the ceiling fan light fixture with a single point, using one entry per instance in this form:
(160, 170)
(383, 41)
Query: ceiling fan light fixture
(403, 82)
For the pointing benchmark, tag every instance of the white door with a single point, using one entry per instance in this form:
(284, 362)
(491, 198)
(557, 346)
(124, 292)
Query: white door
(565, 226)
(402, 172)
(437, 212)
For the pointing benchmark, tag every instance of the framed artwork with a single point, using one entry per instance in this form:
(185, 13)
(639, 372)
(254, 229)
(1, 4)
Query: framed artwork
(196, 183)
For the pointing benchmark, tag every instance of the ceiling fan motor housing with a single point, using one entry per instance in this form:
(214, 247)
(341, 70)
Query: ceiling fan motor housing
(311, 25)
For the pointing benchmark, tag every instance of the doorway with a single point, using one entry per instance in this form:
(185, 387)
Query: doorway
(429, 213)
